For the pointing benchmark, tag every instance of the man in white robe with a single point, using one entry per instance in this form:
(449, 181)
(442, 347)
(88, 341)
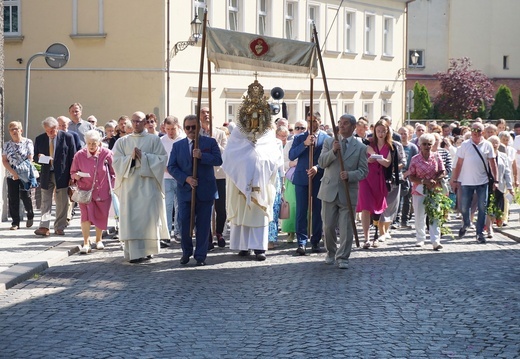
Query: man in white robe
(251, 169)
(139, 162)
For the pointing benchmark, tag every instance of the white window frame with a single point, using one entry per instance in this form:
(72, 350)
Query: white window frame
(199, 6)
(368, 111)
(369, 47)
(420, 63)
(386, 108)
(232, 110)
(313, 15)
(348, 107)
(234, 15)
(332, 44)
(350, 31)
(12, 4)
(388, 36)
(101, 19)
(291, 20)
(264, 17)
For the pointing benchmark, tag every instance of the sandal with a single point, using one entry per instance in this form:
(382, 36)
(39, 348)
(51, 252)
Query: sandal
(374, 244)
(366, 245)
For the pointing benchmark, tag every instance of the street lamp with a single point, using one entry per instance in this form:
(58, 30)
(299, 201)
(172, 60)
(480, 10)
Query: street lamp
(196, 25)
(415, 60)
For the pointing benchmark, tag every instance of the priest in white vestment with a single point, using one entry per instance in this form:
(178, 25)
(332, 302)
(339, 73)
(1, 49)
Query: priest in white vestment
(139, 162)
(251, 189)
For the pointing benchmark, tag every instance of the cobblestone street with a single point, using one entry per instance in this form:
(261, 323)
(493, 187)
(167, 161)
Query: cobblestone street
(396, 301)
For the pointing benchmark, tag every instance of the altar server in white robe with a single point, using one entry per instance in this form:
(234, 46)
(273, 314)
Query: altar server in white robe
(139, 162)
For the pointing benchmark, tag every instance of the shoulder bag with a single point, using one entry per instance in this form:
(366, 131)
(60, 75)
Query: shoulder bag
(85, 196)
(491, 179)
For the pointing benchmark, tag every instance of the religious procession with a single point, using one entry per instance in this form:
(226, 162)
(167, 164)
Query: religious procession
(192, 181)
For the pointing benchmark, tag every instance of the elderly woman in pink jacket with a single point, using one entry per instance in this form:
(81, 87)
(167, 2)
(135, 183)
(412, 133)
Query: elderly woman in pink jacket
(91, 170)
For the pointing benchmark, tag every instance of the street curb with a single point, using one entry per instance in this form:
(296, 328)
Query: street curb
(508, 234)
(23, 271)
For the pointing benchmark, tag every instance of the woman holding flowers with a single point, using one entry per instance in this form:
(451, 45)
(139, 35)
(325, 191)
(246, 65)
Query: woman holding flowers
(426, 171)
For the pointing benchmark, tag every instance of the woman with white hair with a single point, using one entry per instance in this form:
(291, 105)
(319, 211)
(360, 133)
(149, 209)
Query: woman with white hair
(91, 170)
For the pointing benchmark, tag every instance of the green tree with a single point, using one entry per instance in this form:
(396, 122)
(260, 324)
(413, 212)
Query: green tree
(503, 107)
(422, 104)
(518, 109)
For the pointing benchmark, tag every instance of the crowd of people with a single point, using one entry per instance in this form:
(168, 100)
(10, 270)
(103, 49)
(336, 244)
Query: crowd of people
(167, 180)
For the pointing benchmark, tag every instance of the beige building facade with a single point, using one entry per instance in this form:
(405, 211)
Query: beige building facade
(122, 58)
(486, 31)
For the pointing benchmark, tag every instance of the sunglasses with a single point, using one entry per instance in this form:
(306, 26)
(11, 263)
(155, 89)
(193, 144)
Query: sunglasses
(137, 121)
(189, 128)
(476, 130)
(297, 128)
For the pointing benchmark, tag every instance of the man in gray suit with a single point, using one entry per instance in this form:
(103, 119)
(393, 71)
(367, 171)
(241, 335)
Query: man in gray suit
(335, 211)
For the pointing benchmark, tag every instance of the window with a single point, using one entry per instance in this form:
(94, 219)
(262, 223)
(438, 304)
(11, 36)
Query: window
(11, 17)
(348, 107)
(263, 17)
(350, 31)
(234, 19)
(420, 60)
(313, 17)
(232, 111)
(386, 108)
(388, 36)
(87, 18)
(370, 24)
(505, 62)
(368, 111)
(333, 32)
(199, 6)
(291, 16)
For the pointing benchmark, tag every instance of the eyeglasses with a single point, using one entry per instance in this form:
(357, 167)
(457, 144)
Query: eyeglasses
(298, 128)
(476, 130)
(189, 128)
(427, 144)
(137, 121)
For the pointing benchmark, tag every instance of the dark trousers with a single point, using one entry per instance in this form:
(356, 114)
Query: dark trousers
(406, 206)
(302, 205)
(15, 193)
(202, 226)
(220, 206)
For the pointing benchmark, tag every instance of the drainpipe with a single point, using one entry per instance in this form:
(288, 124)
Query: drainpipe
(167, 58)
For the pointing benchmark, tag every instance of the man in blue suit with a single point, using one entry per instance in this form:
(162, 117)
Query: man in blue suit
(180, 166)
(55, 174)
(300, 151)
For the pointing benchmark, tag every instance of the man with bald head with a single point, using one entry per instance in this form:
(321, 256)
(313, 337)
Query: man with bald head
(139, 163)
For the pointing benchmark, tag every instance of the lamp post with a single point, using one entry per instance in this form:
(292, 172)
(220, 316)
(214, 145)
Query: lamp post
(196, 25)
(415, 60)
(409, 94)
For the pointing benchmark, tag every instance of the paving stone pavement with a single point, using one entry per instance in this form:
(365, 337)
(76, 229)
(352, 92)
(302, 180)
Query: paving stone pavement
(396, 301)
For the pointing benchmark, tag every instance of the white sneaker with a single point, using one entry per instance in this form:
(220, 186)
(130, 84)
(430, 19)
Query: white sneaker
(329, 260)
(85, 249)
(419, 244)
(100, 245)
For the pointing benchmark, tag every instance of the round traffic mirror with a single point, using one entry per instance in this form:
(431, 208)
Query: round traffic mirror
(57, 55)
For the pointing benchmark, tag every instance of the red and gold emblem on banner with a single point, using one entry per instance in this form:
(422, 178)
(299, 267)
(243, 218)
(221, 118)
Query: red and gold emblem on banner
(259, 47)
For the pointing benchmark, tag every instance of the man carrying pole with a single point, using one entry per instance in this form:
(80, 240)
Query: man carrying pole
(300, 150)
(335, 209)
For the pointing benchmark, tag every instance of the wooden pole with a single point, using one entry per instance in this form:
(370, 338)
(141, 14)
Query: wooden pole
(197, 130)
(311, 163)
(335, 129)
(210, 107)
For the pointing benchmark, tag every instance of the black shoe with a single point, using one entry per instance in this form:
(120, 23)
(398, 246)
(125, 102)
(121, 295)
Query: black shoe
(316, 248)
(462, 231)
(185, 259)
(221, 241)
(29, 223)
(201, 263)
(148, 257)
(300, 250)
(244, 253)
(481, 239)
(260, 257)
(211, 246)
(164, 244)
(138, 260)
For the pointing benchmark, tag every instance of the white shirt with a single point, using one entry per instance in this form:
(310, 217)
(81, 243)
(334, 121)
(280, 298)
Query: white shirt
(168, 145)
(516, 145)
(473, 172)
